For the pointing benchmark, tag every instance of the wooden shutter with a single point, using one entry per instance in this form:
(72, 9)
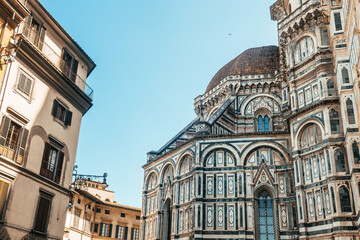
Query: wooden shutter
(132, 233)
(22, 82)
(74, 67)
(55, 108)
(42, 214)
(41, 38)
(110, 230)
(68, 118)
(59, 167)
(101, 228)
(27, 26)
(22, 146)
(126, 232)
(117, 231)
(44, 171)
(4, 131)
(27, 87)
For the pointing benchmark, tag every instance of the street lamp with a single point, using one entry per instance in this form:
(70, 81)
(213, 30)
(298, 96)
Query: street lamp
(80, 179)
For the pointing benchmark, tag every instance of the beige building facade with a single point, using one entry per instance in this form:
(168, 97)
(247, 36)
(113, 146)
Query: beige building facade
(43, 98)
(274, 150)
(93, 215)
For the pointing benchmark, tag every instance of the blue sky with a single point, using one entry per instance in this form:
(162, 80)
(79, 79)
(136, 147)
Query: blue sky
(153, 58)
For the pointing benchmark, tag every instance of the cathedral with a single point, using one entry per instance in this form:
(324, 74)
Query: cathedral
(274, 150)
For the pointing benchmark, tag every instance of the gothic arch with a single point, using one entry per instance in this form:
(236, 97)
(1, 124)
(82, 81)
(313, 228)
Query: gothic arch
(149, 176)
(183, 156)
(258, 192)
(248, 150)
(167, 164)
(303, 125)
(250, 98)
(228, 147)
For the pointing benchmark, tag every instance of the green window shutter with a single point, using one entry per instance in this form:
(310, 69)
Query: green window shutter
(55, 107)
(117, 231)
(59, 167)
(44, 171)
(132, 233)
(110, 230)
(4, 131)
(74, 68)
(126, 233)
(96, 226)
(101, 228)
(68, 118)
(22, 146)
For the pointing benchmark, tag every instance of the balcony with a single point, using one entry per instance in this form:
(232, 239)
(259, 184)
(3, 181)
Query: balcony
(36, 37)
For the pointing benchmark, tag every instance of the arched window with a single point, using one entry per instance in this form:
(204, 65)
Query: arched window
(304, 49)
(263, 124)
(151, 183)
(345, 75)
(344, 199)
(266, 217)
(350, 111)
(266, 124)
(334, 121)
(340, 161)
(333, 199)
(356, 154)
(310, 136)
(260, 124)
(331, 88)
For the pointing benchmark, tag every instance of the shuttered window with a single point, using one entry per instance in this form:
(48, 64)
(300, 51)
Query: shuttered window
(134, 234)
(105, 230)
(60, 112)
(43, 213)
(69, 65)
(34, 31)
(13, 140)
(24, 84)
(52, 163)
(120, 232)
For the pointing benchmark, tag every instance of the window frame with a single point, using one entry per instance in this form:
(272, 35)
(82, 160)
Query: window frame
(48, 196)
(67, 115)
(57, 172)
(27, 77)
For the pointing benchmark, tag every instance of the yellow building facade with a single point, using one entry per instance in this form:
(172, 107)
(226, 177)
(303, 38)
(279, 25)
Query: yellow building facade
(93, 214)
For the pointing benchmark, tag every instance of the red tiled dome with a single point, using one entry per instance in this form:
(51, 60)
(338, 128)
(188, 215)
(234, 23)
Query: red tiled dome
(261, 60)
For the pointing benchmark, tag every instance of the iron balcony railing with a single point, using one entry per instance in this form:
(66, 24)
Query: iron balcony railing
(37, 40)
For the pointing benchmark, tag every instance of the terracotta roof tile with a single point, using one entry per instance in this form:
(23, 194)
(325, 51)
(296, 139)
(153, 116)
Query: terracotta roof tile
(261, 60)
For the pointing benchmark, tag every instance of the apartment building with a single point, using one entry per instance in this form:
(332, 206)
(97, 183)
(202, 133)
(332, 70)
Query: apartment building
(43, 97)
(93, 215)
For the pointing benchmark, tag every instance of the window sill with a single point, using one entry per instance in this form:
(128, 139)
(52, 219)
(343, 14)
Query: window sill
(23, 95)
(55, 119)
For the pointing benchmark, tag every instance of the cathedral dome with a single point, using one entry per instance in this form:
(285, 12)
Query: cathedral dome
(261, 60)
